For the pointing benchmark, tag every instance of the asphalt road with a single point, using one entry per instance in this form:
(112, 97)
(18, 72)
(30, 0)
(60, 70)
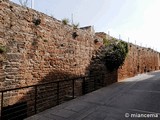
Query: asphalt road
(136, 98)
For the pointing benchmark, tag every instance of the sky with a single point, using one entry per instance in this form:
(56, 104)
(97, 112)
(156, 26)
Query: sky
(136, 21)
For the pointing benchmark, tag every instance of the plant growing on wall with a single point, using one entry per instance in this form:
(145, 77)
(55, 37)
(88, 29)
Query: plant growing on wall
(115, 53)
(75, 26)
(2, 49)
(106, 41)
(24, 3)
(65, 21)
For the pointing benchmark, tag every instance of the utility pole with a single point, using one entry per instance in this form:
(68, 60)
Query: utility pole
(108, 35)
(72, 18)
(32, 4)
(119, 36)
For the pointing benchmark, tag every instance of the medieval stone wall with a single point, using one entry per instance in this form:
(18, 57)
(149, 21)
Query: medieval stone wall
(40, 49)
(36, 51)
(139, 60)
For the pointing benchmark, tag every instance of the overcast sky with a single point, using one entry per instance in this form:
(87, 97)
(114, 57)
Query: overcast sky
(137, 19)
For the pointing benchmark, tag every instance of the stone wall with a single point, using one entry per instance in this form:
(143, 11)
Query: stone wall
(34, 51)
(40, 49)
(139, 60)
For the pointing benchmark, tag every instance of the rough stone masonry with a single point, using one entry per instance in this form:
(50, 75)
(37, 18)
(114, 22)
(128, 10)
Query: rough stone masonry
(40, 48)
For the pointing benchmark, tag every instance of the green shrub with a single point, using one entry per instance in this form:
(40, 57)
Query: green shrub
(106, 42)
(2, 49)
(115, 54)
(65, 21)
(75, 26)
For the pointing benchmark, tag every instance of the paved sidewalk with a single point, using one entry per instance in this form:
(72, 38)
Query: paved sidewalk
(125, 100)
